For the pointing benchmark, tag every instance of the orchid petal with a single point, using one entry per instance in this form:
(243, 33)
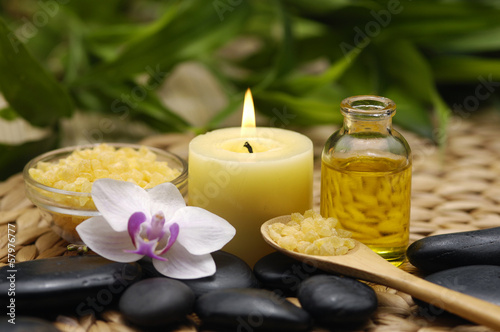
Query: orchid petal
(155, 229)
(174, 233)
(167, 198)
(98, 235)
(134, 225)
(118, 200)
(202, 232)
(182, 265)
(146, 248)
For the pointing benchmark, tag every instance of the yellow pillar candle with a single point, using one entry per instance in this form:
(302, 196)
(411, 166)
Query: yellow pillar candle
(249, 176)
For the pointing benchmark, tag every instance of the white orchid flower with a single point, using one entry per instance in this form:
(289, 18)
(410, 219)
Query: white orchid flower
(157, 223)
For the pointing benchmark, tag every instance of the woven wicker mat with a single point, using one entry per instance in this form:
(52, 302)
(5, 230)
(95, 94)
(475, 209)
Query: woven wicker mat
(453, 191)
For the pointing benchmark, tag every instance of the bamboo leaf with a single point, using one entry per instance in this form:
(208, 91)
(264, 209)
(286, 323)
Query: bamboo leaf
(14, 157)
(477, 41)
(411, 113)
(304, 83)
(77, 61)
(234, 101)
(364, 77)
(285, 60)
(187, 30)
(324, 7)
(298, 110)
(437, 29)
(8, 114)
(411, 75)
(29, 89)
(407, 68)
(464, 68)
(97, 10)
(443, 115)
(139, 101)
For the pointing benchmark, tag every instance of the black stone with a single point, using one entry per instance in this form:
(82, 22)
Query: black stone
(148, 269)
(445, 251)
(283, 274)
(232, 272)
(481, 281)
(157, 302)
(334, 300)
(25, 324)
(250, 310)
(79, 285)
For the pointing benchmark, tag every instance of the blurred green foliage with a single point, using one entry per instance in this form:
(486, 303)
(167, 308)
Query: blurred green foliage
(111, 56)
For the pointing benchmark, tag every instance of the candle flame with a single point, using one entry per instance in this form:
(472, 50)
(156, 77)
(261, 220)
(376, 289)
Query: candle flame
(248, 119)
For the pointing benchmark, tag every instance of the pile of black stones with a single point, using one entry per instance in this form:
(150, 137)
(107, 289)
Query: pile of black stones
(236, 297)
(467, 262)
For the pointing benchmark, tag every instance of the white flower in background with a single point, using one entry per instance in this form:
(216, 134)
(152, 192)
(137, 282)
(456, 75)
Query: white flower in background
(157, 223)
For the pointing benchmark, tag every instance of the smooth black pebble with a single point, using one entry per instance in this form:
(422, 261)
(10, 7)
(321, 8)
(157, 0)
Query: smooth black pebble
(157, 302)
(232, 272)
(445, 251)
(79, 285)
(278, 272)
(334, 300)
(250, 310)
(481, 281)
(25, 324)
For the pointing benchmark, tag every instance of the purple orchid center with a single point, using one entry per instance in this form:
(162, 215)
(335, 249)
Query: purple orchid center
(150, 237)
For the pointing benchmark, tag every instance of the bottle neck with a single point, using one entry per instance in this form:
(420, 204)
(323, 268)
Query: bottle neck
(368, 114)
(356, 125)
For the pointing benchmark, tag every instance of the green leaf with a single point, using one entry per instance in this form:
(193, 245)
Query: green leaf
(188, 30)
(364, 76)
(411, 75)
(464, 69)
(77, 61)
(476, 41)
(138, 101)
(435, 11)
(232, 107)
(285, 59)
(304, 83)
(411, 114)
(443, 115)
(325, 44)
(285, 109)
(438, 29)
(98, 10)
(407, 68)
(322, 7)
(29, 89)
(14, 157)
(106, 41)
(8, 114)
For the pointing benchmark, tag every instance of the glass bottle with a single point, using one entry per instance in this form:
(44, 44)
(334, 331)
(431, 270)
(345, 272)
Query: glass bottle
(366, 177)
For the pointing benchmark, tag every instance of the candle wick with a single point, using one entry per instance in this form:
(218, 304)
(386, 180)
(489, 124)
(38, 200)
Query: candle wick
(248, 146)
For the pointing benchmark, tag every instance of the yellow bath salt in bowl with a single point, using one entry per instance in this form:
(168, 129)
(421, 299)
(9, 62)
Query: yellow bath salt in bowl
(312, 234)
(59, 182)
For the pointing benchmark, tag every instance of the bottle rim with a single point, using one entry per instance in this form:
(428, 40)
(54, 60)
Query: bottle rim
(368, 106)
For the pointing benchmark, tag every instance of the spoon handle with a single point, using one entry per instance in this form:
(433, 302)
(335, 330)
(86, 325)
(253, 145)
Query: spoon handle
(363, 263)
(466, 306)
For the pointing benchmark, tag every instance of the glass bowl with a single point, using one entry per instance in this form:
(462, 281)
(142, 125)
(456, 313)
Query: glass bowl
(63, 209)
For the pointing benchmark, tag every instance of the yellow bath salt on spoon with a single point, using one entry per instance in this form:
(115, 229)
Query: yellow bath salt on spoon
(363, 263)
(312, 234)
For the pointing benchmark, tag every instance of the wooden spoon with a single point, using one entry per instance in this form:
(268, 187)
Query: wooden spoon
(363, 263)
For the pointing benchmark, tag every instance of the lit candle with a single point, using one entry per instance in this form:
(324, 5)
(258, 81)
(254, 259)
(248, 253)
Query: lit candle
(248, 175)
